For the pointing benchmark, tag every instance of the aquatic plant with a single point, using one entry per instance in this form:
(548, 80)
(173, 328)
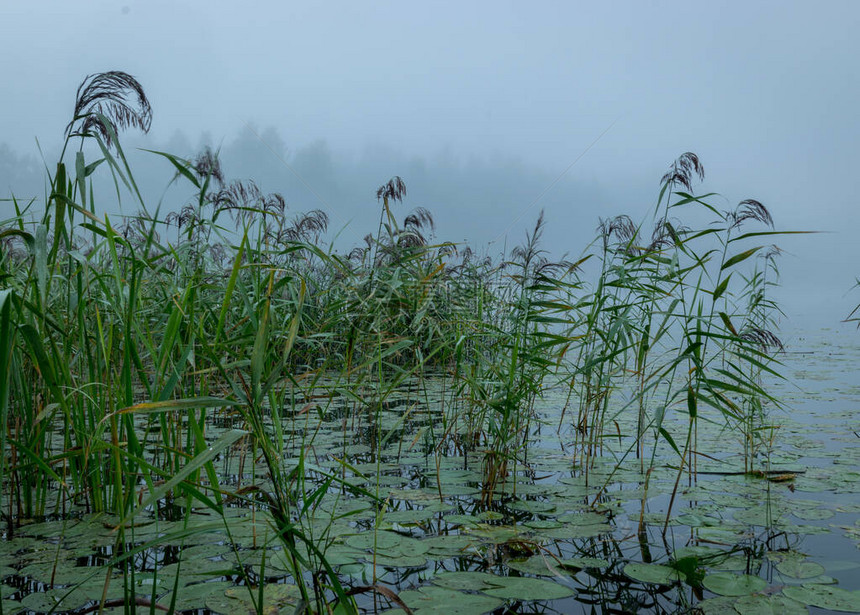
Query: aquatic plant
(342, 419)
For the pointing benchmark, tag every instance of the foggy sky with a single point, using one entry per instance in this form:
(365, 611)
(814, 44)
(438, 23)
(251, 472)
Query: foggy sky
(483, 107)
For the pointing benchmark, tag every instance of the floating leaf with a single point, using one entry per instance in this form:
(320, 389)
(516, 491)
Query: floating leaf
(238, 600)
(461, 520)
(194, 596)
(537, 565)
(55, 600)
(728, 584)
(760, 604)
(718, 606)
(583, 518)
(584, 562)
(733, 563)
(542, 524)
(431, 600)
(12, 608)
(813, 514)
(469, 580)
(825, 597)
(382, 541)
(526, 588)
(532, 506)
(652, 573)
(496, 534)
(798, 569)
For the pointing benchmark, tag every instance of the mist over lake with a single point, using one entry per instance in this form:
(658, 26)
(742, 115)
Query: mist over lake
(389, 309)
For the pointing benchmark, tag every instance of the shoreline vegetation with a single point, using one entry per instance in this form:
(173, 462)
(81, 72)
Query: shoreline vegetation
(215, 372)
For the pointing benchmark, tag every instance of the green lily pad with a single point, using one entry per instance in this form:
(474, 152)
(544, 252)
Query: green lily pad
(94, 587)
(382, 541)
(448, 545)
(339, 555)
(461, 520)
(63, 572)
(570, 532)
(470, 580)
(55, 600)
(728, 584)
(238, 600)
(718, 606)
(526, 588)
(797, 568)
(431, 600)
(813, 514)
(400, 561)
(10, 607)
(543, 524)
(194, 596)
(704, 553)
(697, 520)
(583, 518)
(759, 515)
(584, 562)
(47, 554)
(406, 517)
(536, 565)
(732, 563)
(652, 573)
(760, 604)
(490, 515)
(195, 572)
(532, 506)
(825, 597)
(15, 545)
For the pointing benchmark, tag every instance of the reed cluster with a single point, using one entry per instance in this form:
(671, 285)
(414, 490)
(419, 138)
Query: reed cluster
(122, 345)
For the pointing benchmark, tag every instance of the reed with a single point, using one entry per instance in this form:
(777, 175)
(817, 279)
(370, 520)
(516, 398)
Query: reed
(121, 348)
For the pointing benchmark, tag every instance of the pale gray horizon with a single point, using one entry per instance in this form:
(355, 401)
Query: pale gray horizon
(482, 108)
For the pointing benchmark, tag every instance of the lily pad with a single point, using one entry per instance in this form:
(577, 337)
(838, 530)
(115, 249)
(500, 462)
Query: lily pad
(382, 541)
(194, 596)
(64, 572)
(238, 600)
(11, 607)
(584, 562)
(461, 520)
(532, 506)
(526, 588)
(760, 604)
(652, 573)
(728, 584)
(718, 606)
(583, 518)
(797, 568)
(431, 600)
(409, 517)
(447, 545)
(55, 600)
(570, 532)
(536, 565)
(825, 597)
(813, 514)
(543, 524)
(470, 580)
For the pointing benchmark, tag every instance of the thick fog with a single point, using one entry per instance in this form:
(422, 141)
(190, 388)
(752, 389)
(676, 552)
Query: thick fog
(489, 111)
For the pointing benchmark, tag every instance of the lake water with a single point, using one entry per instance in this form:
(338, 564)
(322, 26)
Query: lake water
(551, 542)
